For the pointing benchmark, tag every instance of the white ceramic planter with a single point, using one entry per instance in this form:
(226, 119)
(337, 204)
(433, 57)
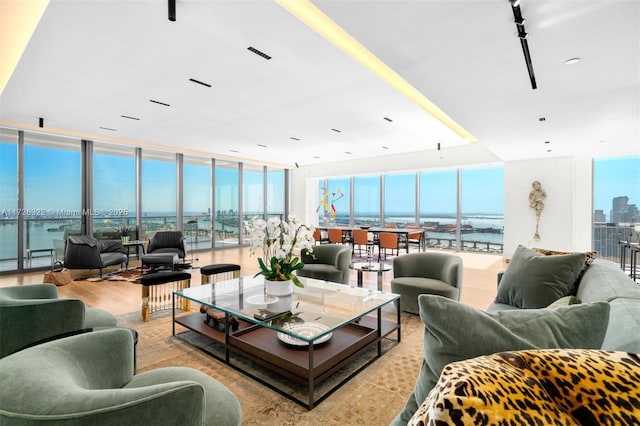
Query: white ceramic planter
(278, 288)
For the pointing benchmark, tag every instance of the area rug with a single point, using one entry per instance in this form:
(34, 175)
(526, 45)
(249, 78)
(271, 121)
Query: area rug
(131, 275)
(373, 397)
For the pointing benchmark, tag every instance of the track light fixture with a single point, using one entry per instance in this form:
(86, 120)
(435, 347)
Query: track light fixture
(522, 35)
(172, 10)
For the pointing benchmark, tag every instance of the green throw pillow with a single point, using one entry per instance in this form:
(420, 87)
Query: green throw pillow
(533, 280)
(455, 332)
(565, 301)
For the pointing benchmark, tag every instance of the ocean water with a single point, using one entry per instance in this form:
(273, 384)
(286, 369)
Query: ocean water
(41, 233)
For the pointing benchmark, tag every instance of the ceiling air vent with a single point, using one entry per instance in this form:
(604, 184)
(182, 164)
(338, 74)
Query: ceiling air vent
(259, 53)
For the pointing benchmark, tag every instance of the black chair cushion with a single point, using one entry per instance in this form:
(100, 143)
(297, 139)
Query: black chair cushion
(164, 277)
(219, 268)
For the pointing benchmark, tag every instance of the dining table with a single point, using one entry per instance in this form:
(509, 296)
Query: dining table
(403, 233)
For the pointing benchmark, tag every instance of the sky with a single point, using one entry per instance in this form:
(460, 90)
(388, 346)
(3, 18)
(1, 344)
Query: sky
(614, 178)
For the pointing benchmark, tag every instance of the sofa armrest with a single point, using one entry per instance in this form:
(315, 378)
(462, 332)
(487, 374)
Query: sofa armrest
(26, 322)
(33, 291)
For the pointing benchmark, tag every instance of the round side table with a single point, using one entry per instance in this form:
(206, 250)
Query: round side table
(370, 267)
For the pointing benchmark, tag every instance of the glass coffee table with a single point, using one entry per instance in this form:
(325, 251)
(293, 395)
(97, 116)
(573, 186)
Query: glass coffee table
(303, 346)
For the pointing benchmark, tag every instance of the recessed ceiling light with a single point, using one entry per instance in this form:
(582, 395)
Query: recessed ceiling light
(542, 119)
(262, 146)
(547, 142)
(347, 152)
(316, 157)
(108, 128)
(130, 118)
(388, 119)
(295, 139)
(548, 150)
(234, 150)
(336, 130)
(385, 147)
(572, 61)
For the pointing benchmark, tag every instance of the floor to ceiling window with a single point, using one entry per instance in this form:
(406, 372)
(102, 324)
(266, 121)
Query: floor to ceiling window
(196, 196)
(439, 206)
(52, 189)
(8, 199)
(114, 190)
(158, 191)
(227, 202)
(275, 192)
(482, 209)
(616, 204)
(366, 200)
(334, 201)
(400, 198)
(252, 192)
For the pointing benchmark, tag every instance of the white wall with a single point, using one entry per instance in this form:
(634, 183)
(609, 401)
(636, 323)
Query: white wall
(565, 223)
(304, 180)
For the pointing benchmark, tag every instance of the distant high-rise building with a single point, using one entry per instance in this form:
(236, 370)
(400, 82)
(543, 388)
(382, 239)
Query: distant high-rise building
(623, 212)
(599, 216)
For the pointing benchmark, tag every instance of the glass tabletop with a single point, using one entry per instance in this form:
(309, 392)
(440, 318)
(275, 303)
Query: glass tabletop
(370, 266)
(310, 314)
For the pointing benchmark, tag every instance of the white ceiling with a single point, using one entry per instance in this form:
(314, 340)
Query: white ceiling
(90, 62)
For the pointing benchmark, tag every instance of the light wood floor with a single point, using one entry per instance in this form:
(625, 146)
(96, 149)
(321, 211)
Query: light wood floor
(117, 297)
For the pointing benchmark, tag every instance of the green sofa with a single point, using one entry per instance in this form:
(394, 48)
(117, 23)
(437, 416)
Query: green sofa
(607, 317)
(34, 313)
(604, 281)
(89, 379)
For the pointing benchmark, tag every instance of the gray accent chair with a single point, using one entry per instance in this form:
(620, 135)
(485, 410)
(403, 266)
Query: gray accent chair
(89, 379)
(168, 242)
(329, 262)
(86, 252)
(30, 314)
(426, 273)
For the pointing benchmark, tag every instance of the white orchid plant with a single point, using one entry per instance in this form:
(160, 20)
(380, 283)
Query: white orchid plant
(281, 244)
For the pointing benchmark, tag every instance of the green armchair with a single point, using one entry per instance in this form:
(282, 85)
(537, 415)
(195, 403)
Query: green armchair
(426, 273)
(329, 262)
(33, 313)
(88, 380)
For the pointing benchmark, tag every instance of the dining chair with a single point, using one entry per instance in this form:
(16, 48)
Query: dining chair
(387, 240)
(362, 237)
(415, 238)
(336, 236)
(318, 237)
